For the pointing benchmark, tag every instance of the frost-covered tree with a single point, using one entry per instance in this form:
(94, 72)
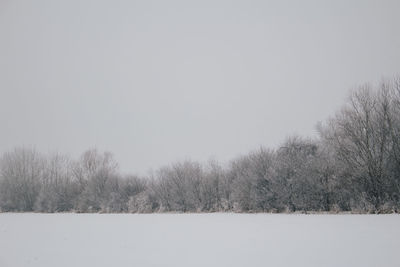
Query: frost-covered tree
(21, 171)
(295, 185)
(94, 173)
(354, 165)
(179, 187)
(57, 187)
(214, 191)
(364, 136)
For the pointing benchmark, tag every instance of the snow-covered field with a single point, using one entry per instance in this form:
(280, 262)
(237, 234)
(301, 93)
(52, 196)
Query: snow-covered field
(49, 240)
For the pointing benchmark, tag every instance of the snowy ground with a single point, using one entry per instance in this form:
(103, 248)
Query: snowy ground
(49, 240)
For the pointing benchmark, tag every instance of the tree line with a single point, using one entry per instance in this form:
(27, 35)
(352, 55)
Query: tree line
(353, 165)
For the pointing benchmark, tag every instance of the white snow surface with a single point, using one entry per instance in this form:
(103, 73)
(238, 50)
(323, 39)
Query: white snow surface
(49, 240)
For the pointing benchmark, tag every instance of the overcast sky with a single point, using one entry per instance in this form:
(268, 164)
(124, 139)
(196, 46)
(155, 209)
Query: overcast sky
(159, 81)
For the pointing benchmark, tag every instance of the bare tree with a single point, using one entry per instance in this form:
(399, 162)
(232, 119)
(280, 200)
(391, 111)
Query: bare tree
(57, 188)
(93, 173)
(365, 137)
(21, 171)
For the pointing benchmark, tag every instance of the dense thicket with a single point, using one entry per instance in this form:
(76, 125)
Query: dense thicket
(354, 165)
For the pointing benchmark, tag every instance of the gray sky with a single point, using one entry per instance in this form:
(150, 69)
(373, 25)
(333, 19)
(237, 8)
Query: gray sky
(159, 81)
